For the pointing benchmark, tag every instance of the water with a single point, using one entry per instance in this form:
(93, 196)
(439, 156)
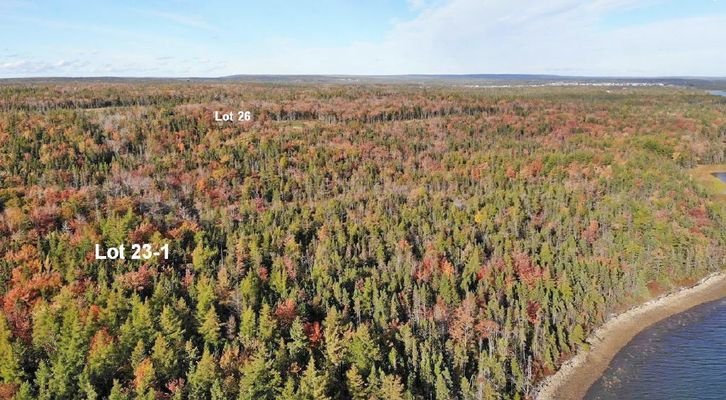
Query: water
(718, 92)
(720, 175)
(682, 357)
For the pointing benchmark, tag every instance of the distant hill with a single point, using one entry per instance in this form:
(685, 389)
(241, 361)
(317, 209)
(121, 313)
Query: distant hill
(436, 79)
(482, 79)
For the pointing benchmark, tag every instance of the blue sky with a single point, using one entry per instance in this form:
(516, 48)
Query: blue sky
(216, 38)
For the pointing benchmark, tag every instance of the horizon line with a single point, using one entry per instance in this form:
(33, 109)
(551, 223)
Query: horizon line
(409, 75)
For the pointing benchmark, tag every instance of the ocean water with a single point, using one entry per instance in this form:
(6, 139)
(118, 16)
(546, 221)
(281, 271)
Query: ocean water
(681, 357)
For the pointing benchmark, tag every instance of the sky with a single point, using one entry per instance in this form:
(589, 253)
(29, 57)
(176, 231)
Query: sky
(182, 38)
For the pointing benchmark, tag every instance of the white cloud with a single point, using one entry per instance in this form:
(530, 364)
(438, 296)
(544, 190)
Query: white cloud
(418, 4)
(179, 19)
(567, 37)
(519, 36)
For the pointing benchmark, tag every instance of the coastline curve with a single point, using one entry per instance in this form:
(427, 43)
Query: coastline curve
(575, 376)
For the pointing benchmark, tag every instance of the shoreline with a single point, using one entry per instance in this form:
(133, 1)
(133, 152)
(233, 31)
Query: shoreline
(573, 379)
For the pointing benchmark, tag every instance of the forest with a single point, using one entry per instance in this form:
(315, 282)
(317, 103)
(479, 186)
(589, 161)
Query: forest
(357, 242)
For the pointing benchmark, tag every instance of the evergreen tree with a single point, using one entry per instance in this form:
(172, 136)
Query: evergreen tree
(265, 324)
(69, 360)
(391, 387)
(313, 385)
(171, 326)
(202, 254)
(117, 392)
(288, 392)
(259, 379)
(163, 358)
(9, 365)
(210, 328)
(298, 340)
(356, 385)
(362, 350)
(203, 376)
(144, 377)
(334, 347)
(247, 326)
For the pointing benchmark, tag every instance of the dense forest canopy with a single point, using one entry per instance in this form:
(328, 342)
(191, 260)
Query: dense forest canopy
(349, 242)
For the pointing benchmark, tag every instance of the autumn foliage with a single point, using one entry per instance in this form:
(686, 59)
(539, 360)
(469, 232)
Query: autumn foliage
(349, 242)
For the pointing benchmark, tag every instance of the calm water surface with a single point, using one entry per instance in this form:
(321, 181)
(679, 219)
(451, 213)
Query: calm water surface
(718, 92)
(720, 175)
(682, 357)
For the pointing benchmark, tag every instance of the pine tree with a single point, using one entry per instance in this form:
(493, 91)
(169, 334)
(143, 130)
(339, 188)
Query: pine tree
(249, 290)
(45, 328)
(288, 392)
(202, 254)
(164, 358)
(117, 392)
(356, 385)
(9, 366)
(24, 392)
(144, 376)
(362, 350)
(203, 375)
(68, 362)
(138, 326)
(517, 375)
(247, 326)
(391, 387)
(298, 340)
(210, 327)
(43, 381)
(138, 354)
(216, 392)
(191, 355)
(103, 359)
(471, 268)
(259, 379)
(265, 324)
(206, 298)
(577, 336)
(443, 385)
(313, 385)
(334, 347)
(171, 326)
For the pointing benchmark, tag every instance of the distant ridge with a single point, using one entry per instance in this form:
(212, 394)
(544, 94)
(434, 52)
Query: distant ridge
(429, 79)
(472, 79)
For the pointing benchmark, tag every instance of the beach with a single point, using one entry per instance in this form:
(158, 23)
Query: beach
(576, 376)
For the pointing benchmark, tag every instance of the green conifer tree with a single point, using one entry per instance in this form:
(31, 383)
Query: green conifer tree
(313, 385)
(210, 327)
(9, 365)
(259, 379)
